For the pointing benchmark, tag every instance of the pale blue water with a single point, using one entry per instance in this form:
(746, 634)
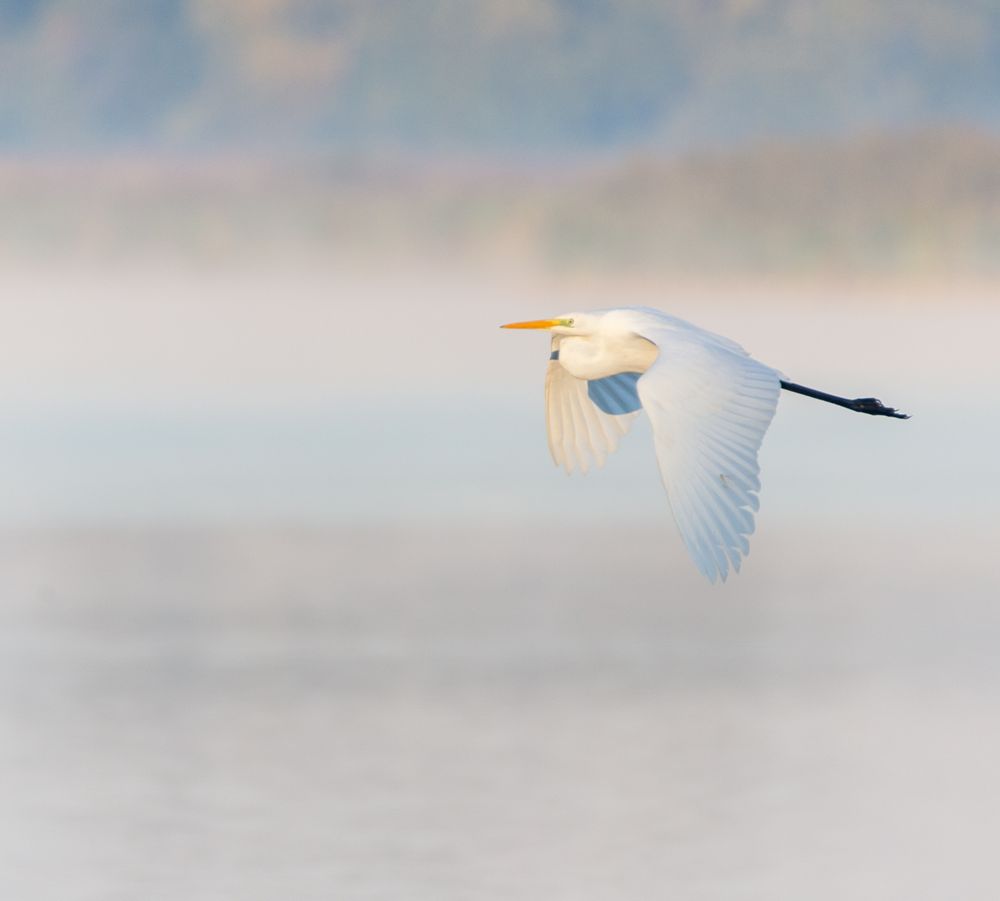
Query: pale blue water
(494, 712)
(413, 459)
(305, 393)
(473, 677)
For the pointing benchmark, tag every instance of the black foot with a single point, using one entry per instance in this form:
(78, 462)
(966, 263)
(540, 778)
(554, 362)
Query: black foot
(874, 407)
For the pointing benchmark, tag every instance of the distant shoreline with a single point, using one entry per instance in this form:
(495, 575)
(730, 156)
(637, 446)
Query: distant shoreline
(877, 209)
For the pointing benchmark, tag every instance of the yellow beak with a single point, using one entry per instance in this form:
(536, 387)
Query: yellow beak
(534, 323)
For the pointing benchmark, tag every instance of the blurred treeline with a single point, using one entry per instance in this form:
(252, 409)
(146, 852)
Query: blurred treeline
(924, 204)
(526, 76)
(730, 137)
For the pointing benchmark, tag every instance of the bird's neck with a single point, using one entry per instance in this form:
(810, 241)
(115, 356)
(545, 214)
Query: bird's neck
(598, 356)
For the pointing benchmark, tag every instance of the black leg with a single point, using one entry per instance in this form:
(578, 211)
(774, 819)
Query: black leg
(870, 405)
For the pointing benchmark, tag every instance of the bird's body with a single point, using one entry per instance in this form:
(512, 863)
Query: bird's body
(708, 401)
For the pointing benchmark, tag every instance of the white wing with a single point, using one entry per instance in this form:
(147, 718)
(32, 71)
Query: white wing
(579, 431)
(709, 405)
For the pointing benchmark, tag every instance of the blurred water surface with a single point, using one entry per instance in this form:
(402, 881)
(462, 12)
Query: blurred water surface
(330, 395)
(461, 674)
(496, 712)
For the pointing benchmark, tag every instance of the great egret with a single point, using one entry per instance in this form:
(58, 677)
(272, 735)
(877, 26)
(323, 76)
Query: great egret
(708, 401)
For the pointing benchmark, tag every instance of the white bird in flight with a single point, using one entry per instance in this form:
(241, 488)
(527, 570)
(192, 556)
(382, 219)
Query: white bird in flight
(708, 401)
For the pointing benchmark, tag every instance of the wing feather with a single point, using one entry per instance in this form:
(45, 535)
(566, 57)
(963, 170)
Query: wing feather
(710, 405)
(579, 432)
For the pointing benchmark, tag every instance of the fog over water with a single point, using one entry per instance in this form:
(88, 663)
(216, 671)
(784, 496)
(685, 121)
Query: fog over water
(321, 395)
(294, 603)
(494, 712)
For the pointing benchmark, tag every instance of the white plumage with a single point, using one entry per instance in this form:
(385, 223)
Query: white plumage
(708, 401)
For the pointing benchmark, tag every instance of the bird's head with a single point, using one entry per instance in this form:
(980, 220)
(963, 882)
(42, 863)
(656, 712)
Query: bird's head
(568, 324)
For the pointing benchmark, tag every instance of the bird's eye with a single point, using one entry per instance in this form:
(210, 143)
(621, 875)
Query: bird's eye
(569, 323)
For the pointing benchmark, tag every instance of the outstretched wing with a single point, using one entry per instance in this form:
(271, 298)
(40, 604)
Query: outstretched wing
(710, 405)
(586, 419)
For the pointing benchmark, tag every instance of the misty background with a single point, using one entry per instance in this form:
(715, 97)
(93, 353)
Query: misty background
(294, 602)
(485, 78)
